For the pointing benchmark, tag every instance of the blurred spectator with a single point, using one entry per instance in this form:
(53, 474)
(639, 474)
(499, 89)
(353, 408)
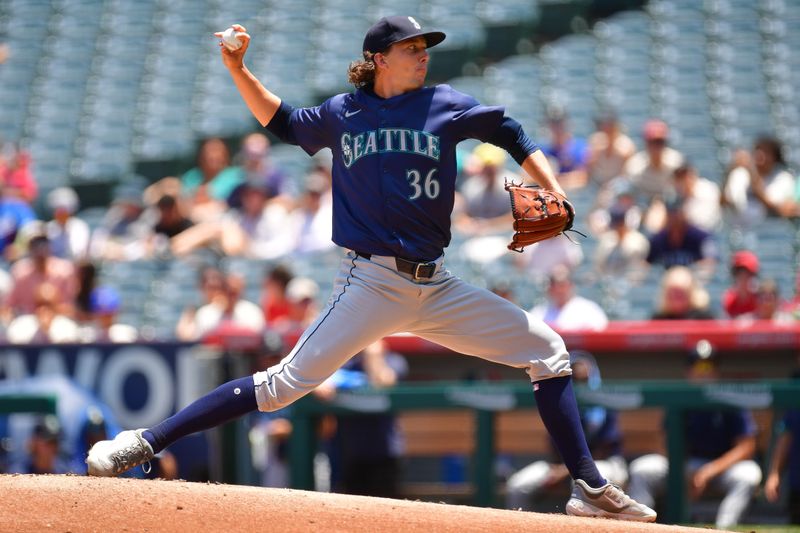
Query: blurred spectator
(650, 171)
(681, 243)
(68, 234)
(227, 308)
(768, 305)
(742, 296)
(482, 204)
(619, 194)
(700, 198)
(40, 268)
(255, 230)
(44, 450)
(168, 223)
(759, 184)
(603, 436)
(621, 251)
(301, 294)
(609, 149)
(366, 448)
(171, 220)
(86, 273)
(123, 232)
(105, 304)
(565, 310)
(310, 225)
(45, 324)
(568, 155)
(209, 184)
(211, 286)
(274, 301)
(14, 215)
(259, 171)
(681, 297)
(720, 448)
(16, 175)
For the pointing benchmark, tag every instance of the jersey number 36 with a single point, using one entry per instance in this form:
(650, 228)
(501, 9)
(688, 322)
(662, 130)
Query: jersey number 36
(429, 186)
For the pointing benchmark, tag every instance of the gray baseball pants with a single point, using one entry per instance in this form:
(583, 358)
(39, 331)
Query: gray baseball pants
(372, 299)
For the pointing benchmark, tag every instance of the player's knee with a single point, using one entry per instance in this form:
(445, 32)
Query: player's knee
(746, 473)
(267, 395)
(552, 366)
(648, 466)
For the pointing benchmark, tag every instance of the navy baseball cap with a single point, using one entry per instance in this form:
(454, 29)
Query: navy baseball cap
(390, 30)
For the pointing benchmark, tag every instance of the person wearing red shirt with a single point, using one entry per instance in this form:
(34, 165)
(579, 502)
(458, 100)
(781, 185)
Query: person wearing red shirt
(742, 296)
(273, 297)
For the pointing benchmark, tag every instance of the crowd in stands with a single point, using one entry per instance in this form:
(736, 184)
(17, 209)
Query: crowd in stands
(650, 210)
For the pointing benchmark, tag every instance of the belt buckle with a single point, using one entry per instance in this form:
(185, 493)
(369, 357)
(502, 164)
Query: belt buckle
(417, 266)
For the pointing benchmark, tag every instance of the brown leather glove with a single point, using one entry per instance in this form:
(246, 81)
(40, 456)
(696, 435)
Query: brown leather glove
(538, 215)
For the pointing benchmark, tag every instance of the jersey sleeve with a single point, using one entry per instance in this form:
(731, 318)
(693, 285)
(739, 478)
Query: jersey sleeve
(473, 120)
(307, 127)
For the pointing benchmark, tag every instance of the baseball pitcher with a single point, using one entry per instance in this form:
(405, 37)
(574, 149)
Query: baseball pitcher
(394, 168)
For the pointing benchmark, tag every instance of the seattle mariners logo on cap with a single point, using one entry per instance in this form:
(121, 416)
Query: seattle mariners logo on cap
(390, 30)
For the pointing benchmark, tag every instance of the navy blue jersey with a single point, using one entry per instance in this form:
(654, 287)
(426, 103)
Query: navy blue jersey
(394, 164)
(695, 245)
(710, 434)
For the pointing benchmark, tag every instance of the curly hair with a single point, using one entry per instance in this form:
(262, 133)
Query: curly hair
(362, 72)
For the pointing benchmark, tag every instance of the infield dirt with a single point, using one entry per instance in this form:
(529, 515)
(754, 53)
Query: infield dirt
(80, 504)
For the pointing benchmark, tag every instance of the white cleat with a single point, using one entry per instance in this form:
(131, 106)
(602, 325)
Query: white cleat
(608, 501)
(113, 457)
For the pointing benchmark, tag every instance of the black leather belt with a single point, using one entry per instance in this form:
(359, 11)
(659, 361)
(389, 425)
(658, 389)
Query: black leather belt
(423, 270)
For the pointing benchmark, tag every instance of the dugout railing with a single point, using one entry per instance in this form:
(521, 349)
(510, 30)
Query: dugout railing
(486, 400)
(27, 403)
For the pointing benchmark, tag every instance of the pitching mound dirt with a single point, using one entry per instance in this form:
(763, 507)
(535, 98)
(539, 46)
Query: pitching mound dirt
(79, 504)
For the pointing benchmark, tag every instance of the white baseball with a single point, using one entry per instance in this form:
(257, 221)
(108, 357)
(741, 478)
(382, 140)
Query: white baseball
(229, 39)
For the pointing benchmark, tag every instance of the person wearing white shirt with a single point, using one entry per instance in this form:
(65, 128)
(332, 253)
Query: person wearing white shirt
(700, 198)
(621, 250)
(230, 309)
(566, 311)
(44, 325)
(650, 171)
(609, 150)
(759, 184)
(68, 234)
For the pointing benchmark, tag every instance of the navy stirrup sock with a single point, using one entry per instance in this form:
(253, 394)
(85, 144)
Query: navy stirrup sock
(555, 399)
(228, 401)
